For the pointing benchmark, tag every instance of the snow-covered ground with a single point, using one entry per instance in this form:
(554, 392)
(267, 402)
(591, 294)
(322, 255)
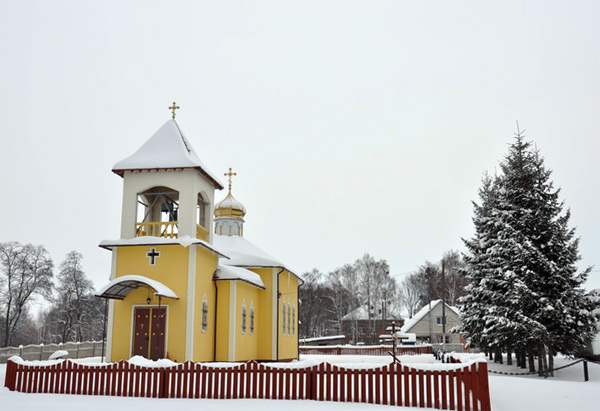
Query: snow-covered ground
(566, 391)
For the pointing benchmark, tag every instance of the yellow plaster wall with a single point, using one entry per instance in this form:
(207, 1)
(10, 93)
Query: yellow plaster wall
(265, 315)
(222, 326)
(171, 269)
(246, 344)
(204, 342)
(288, 342)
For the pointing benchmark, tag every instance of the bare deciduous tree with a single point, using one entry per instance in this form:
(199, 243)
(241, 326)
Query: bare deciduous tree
(410, 294)
(73, 292)
(26, 271)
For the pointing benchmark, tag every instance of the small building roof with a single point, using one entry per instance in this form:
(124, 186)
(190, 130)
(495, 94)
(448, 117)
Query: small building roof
(362, 314)
(168, 148)
(422, 313)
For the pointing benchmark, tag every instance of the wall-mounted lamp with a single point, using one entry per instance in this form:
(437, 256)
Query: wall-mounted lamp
(148, 300)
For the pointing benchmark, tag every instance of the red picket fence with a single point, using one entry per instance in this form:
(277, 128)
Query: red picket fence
(462, 388)
(366, 350)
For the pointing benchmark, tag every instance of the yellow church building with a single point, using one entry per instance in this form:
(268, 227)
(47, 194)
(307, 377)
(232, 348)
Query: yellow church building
(180, 289)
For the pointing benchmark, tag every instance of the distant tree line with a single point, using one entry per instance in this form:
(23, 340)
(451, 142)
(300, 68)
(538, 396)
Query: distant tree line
(329, 299)
(26, 277)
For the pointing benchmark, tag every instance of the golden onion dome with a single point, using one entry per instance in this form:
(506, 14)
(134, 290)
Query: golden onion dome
(230, 207)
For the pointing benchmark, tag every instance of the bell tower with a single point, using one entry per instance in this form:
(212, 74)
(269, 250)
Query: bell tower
(163, 262)
(167, 190)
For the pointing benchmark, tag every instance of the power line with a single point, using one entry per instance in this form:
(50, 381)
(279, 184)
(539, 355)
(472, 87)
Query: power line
(397, 275)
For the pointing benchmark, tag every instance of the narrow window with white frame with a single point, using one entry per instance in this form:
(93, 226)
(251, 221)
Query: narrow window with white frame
(289, 320)
(244, 319)
(293, 320)
(283, 319)
(251, 319)
(204, 314)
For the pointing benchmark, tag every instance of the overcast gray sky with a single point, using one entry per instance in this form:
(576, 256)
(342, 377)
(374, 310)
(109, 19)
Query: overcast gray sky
(354, 126)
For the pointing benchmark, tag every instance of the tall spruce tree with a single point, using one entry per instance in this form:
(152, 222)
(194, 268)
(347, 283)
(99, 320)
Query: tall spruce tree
(524, 293)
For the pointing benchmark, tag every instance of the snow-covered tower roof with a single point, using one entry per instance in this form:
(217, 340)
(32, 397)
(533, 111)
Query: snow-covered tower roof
(167, 149)
(167, 189)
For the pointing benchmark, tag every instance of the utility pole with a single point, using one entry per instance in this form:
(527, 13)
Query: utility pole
(383, 315)
(394, 337)
(443, 308)
(430, 327)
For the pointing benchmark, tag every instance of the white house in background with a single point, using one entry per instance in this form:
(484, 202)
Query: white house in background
(427, 324)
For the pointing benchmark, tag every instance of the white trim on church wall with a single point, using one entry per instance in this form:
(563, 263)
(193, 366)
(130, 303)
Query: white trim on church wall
(113, 264)
(232, 317)
(109, 330)
(274, 325)
(191, 294)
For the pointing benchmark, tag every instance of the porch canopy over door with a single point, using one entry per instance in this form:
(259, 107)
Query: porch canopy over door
(121, 286)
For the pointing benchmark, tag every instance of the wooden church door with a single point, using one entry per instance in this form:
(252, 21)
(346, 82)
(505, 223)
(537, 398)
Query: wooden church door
(149, 332)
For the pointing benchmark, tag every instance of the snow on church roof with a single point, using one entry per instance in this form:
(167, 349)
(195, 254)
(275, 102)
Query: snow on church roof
(168, 148)
(242, 253)
(185, 241)
(225, 272)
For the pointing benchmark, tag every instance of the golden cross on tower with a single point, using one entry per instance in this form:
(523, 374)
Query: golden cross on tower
(173, 108)
(229, 177)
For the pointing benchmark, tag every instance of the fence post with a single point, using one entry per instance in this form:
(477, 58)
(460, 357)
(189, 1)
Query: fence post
(484, 388)
(313, 382)
(586, 377)
(163, 383)
(11, 375)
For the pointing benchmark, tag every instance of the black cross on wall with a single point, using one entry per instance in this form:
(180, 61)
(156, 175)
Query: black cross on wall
(152, 254)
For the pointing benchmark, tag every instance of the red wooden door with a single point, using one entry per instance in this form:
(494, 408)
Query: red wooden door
(149, 332)
(141, 332)
(157, 339)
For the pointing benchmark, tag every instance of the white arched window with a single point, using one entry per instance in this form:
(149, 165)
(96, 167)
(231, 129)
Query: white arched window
(289, 319)
(293, 320)
(283, 319)
(204, 314)
(244, 319)
(251, 319)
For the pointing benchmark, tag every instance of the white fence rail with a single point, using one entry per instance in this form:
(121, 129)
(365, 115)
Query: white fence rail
(41, 352)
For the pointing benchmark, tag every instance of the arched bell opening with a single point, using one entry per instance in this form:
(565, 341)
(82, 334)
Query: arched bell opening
(157, 212)
(202, 216)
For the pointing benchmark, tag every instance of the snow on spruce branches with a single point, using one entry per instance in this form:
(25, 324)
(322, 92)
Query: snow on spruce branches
(524, 293)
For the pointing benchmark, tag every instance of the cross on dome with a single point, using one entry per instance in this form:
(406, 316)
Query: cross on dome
(173, 108)
(228, 175)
